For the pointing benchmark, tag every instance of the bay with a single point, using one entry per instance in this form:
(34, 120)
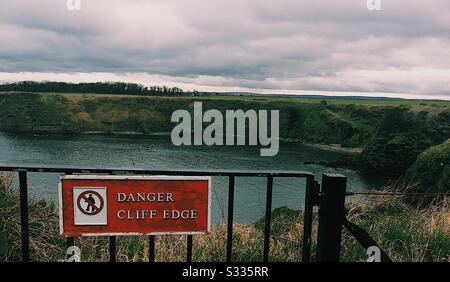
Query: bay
(157, 152)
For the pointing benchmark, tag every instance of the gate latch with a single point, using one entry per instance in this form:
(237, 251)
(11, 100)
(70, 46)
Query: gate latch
(315, 193)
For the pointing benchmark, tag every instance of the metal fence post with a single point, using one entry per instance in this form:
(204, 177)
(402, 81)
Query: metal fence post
(24, 227)
(112, 249)
(331, 217)
(311, 198)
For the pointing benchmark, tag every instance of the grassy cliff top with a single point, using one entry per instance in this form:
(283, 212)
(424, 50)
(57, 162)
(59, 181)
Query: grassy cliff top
(420, 104)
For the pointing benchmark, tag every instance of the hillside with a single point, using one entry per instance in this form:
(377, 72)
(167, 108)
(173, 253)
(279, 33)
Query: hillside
(432, 171)
(300, 119)
(393, 132)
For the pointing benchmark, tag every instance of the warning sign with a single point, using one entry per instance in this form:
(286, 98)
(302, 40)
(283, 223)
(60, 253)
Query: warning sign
(90, 205)
(131, 205)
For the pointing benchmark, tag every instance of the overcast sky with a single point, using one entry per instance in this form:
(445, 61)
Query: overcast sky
(278, 46)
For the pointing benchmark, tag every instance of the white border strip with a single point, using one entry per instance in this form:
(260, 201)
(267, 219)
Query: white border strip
(133, 177)
(60, 201)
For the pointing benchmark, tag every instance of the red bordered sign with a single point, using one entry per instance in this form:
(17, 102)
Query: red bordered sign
(92, 205)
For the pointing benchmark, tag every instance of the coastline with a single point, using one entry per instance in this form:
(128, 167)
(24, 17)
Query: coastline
(329, 147)
(335, 147)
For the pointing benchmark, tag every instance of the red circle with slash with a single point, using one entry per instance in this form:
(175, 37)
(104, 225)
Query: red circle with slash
(95, 209)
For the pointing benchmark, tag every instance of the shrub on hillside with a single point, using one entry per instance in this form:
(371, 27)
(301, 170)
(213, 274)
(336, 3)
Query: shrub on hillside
(431, 171)
(401, 137)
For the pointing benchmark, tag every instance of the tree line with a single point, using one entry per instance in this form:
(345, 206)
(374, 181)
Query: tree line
(94, 87)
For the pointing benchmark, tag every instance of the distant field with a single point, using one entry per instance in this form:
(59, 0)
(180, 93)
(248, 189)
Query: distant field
(271, 98)
(381, 102)
(362, 101)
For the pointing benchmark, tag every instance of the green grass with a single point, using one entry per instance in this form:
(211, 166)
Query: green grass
(271, 98)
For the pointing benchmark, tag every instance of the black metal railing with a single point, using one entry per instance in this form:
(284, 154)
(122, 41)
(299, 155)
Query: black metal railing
(310, 202)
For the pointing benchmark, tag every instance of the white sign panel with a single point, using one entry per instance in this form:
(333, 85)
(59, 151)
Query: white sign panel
(90, 206)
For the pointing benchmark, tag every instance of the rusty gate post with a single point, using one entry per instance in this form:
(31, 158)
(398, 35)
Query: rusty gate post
(331, 217)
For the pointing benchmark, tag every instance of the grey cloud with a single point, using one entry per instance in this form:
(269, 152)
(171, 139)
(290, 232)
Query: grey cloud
(287, 44)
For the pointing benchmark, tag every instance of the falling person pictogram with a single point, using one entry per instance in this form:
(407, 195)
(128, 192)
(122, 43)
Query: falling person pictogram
(87, 203)
(90, 203)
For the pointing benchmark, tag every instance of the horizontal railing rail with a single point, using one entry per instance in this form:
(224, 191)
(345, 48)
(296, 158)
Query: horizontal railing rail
(187, 172)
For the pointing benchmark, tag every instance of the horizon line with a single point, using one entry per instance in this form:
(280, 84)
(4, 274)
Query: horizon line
(264, 91)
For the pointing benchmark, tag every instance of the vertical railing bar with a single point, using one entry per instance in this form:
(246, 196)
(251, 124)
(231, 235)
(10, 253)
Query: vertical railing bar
(307, 221)
(70, 243)
(230, 218)
(189, 249)
(151, 248)
(267, 218)
(112, 249)
(24, 227)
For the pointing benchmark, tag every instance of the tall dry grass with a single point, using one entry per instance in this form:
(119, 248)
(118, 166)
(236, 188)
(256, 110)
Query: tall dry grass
(404, 232)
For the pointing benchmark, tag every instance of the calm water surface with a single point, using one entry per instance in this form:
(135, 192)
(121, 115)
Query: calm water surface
(159, 153)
